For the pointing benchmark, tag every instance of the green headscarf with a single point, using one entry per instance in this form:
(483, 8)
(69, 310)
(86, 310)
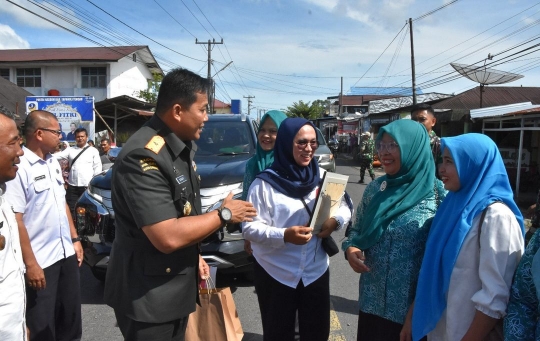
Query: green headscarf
(262, 159)
(402, 191)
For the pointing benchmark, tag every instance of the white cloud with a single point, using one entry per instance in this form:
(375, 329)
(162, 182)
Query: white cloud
(10, 40)
(29, 19)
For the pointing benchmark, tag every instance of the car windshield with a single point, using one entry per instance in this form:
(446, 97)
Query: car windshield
(225, 138)
(320, 138)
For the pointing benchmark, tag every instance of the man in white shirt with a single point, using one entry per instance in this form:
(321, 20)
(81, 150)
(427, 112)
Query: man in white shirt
(84, 163)
(12, 299)
(51, 249)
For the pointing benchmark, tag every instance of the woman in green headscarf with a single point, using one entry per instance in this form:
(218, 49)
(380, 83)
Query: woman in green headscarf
(266, 138)
(387, 241)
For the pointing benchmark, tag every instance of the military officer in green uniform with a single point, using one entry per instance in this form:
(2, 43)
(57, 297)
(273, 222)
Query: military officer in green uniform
(367, 147)
(425, 115)
(155, 265)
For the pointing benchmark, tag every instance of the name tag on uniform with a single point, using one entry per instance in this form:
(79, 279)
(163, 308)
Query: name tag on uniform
(41, 177)
(181, 179)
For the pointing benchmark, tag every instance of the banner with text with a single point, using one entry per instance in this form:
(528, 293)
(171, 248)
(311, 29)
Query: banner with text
(72, 112)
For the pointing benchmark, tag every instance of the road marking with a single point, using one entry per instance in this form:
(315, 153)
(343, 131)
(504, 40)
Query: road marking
(335, 326)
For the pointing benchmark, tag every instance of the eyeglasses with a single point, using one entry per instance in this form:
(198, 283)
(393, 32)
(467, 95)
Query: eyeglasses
(314, 144)
(391, 147)
(57, 132)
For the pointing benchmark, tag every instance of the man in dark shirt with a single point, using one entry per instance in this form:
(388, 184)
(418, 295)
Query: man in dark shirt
(155, 264)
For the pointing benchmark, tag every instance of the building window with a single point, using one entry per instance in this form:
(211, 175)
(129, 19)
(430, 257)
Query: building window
(4, 73)
(29, 78)
(93, 77)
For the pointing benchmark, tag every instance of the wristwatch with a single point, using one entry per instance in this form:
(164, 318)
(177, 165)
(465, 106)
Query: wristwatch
(76, 239)
(225, 214)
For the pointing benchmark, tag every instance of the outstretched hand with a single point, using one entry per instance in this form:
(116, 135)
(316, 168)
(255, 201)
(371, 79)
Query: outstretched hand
(242, 211)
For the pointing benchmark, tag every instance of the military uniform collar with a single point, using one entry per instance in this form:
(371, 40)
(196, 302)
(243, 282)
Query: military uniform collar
(175, 144)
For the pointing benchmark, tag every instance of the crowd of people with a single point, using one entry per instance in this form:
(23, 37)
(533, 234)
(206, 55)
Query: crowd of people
(438, 239)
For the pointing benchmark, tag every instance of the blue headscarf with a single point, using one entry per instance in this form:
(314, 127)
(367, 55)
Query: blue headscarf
(483, 180)
(285, 175)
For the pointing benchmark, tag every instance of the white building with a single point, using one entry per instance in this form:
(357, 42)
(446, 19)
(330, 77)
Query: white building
(102, 72)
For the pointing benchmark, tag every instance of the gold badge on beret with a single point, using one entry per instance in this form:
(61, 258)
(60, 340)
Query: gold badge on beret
(187, 208)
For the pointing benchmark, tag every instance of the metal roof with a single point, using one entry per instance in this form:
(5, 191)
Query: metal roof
(492, 96)
(13, 98)
(79, 54)
(504, 110)
(385, 105)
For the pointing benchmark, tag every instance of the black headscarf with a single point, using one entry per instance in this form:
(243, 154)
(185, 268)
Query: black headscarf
(285, 175)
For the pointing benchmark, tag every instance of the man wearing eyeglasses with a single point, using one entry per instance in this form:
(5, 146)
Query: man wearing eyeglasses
(51, 249)
(84, 163)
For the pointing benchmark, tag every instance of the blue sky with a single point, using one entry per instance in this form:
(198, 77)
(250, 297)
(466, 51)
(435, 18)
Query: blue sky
(284, 51)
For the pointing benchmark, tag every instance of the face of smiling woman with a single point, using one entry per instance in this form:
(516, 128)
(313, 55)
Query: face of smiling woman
(267, 135)
(304, 145)
(448, 172)
(389, 154)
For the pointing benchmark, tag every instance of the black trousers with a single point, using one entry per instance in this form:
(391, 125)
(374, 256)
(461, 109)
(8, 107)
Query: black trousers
(54, 313)
(72, 195)
(132, 330)
(375, 328)
(279, 305)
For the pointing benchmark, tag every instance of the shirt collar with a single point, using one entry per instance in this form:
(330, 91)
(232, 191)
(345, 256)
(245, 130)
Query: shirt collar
(33, 158)
(176, 145)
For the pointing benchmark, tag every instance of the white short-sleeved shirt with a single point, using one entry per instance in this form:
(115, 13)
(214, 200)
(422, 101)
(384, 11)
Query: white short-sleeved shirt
(86, 166)
(483, 272)
(12, 286)
(38, 192)
(285, 262)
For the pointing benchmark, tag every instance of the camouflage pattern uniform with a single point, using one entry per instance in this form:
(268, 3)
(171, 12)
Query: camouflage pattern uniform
(366, 157)
(435, 144)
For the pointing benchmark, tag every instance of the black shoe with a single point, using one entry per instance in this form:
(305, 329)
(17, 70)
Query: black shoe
(361, 181)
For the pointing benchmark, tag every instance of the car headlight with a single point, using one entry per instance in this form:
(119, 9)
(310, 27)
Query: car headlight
(326, 158)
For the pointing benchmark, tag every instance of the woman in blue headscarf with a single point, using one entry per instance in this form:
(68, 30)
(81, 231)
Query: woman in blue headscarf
(474, 246)
(387, 241)
(291, 267)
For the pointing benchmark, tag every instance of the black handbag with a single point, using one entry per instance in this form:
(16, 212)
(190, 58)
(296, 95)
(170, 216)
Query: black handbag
(330, 246)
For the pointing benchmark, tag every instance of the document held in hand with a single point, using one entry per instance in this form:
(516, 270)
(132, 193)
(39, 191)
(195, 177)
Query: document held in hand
(329, 199)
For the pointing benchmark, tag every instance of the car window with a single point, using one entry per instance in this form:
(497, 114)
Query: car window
(320, 138)
(225, 137)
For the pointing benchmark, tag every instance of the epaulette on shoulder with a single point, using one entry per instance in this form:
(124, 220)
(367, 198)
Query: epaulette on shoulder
(155, 144)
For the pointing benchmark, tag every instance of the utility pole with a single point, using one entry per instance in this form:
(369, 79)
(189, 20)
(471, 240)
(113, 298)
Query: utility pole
(249, 102)
(340, 110)
(412, 65)
(210, 90)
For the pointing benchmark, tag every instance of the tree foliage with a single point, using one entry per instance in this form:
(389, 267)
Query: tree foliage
(150, 94)
(308, 110)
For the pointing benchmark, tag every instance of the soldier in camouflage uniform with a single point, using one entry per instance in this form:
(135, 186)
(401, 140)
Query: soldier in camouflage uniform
(425, 115)
(367, 147)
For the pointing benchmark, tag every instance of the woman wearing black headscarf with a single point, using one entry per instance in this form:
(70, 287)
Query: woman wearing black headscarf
(291, 268)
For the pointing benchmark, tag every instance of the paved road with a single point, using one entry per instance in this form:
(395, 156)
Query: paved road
(99, 322)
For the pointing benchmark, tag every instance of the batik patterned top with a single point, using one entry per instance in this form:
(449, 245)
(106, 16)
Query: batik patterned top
(389, 288)
(521, 322)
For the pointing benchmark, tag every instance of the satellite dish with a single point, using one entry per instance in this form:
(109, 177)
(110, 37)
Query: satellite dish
(485, 76)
